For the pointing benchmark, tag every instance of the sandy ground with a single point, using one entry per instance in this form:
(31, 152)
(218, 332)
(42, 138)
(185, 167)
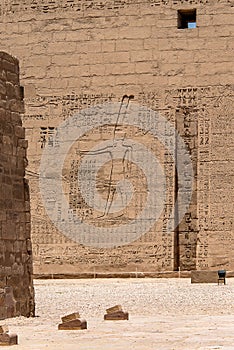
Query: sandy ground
(164, 314)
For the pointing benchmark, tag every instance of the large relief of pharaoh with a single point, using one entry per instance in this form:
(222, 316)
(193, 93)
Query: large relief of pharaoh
(104, 185)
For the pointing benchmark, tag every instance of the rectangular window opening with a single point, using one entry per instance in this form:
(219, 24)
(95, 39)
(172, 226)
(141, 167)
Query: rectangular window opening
(187, 19)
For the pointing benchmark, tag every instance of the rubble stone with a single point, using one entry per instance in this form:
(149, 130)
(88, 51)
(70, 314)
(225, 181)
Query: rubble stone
(4, 329)
(71, 317)
(114, 309)
(116, 316)
(73, 325)
(8, 339)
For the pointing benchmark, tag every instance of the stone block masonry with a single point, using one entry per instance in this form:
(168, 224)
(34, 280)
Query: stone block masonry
(76, 54)
(16, 288)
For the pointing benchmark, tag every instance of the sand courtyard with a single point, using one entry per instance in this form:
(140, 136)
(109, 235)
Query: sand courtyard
(164, 314)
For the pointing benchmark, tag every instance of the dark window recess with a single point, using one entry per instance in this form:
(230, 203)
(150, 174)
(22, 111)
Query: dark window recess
(187, 19)
(21, 93)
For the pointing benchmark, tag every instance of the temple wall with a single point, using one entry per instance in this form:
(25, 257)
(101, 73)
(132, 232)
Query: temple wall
(79, 54)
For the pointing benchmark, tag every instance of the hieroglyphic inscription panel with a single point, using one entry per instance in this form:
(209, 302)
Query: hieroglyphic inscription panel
(80, 6)
(155, 247)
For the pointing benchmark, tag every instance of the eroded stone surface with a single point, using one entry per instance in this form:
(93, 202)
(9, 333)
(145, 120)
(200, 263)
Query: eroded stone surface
(113, 309)
(8, 339)
(16, 293)
(81, 54)
(116, 316)
(70, 317)
(4, 329)
(73, 325)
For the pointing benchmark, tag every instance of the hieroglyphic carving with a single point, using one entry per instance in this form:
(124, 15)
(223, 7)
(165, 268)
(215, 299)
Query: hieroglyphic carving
(46, 136)
(188, 103)
(61, 107)
(204, 130)
(186, 124)
(129, 47)
(157, 101)
(161, 253)
(214, 136)
(45, 6)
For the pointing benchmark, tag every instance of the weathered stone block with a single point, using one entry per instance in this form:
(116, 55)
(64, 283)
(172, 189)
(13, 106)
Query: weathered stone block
(114, 309)
(20, 132)
(117, 316)
(71, 317)
(73, 325)
(204, 276)
(4, 329)
(8, 339)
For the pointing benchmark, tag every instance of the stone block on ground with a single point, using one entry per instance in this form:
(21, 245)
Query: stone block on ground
(73, 325)
(8, 339)
(117, 316)
(114, 309)
(204, 276)
(116, 313)
(73, 316)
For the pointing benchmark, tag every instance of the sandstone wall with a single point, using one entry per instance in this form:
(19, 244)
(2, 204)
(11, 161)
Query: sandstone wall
(77, 54)
(16, 288)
